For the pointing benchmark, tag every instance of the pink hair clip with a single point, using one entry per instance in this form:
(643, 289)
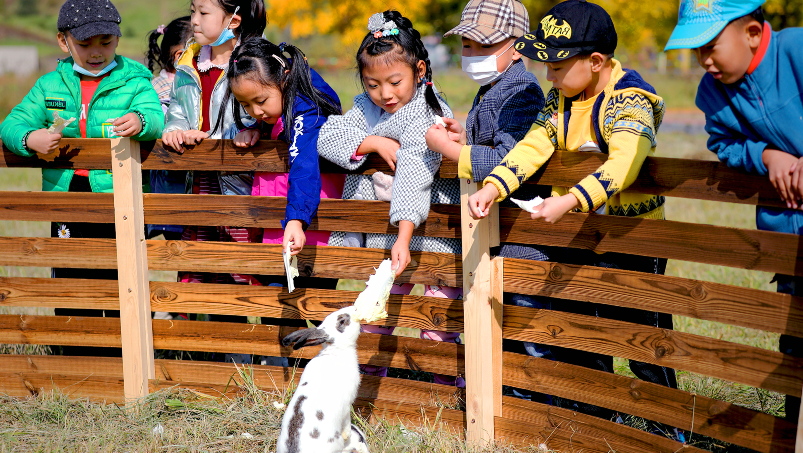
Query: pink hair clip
(161, 29)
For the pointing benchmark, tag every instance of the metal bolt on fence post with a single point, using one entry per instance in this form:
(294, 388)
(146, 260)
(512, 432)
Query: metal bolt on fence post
(125, 217)
(129, 290)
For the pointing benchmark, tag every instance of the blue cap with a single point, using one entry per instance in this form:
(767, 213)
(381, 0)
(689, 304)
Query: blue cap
(700, 21)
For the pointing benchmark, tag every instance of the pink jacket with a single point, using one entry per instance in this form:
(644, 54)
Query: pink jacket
(268, 184)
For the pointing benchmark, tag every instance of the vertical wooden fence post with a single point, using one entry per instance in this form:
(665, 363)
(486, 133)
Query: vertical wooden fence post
(482, 304)
(799, 441)
(132, 268)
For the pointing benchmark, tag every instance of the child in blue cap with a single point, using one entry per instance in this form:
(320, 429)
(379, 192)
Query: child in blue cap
(751, 97)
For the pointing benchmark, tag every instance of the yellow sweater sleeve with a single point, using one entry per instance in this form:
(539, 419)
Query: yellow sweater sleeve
(464, 170)
(522, 161)
(632, 138)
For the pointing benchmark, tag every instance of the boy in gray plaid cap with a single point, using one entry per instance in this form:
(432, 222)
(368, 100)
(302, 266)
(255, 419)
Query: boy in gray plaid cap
(506, 106)
(509, 98)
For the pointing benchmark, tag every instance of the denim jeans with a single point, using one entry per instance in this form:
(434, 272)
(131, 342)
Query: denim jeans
(788, 344)
(645, 371)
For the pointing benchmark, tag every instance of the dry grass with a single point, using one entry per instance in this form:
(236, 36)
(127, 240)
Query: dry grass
(178, 420)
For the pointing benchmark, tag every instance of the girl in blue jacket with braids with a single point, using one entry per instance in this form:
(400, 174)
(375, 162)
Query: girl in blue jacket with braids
(290, 102)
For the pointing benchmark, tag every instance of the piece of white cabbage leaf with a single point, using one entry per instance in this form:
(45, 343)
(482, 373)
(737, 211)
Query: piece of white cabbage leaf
(371, 303)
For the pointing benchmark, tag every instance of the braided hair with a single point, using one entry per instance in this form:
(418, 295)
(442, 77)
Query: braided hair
(406, 47)
(283, 67)
(176, 33)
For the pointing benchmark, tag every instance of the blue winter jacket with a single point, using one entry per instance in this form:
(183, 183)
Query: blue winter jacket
(301, 132)
(764, 109)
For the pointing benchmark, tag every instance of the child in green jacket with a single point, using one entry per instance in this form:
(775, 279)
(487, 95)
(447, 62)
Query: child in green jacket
(108, 95)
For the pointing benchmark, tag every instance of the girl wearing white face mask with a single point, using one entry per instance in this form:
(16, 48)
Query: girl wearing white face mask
(199, 90)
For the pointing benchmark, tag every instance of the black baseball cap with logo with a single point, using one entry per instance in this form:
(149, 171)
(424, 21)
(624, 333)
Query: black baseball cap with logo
(573, 27)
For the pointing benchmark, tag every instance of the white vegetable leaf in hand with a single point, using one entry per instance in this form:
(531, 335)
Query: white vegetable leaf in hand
(370, 304)
(529, 205)
(290, 268)
(59, 124)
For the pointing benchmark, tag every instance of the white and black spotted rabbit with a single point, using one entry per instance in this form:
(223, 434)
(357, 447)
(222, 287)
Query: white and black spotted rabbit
(318, 418)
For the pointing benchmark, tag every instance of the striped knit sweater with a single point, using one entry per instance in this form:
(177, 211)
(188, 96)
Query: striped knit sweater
(626, 117)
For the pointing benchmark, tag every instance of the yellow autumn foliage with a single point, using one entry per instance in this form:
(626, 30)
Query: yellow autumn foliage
(348, 19)
(639, 24)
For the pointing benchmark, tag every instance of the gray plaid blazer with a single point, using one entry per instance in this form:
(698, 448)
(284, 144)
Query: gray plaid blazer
(415, 186)
(501, 116)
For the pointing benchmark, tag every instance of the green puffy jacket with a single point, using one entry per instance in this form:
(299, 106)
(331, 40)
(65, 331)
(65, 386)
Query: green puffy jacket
(127, 88)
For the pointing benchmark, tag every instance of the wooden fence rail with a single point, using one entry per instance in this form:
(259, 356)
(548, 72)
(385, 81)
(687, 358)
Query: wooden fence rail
(486, 414)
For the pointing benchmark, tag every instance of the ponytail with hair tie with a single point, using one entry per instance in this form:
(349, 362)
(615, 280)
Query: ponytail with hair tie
(265, 63)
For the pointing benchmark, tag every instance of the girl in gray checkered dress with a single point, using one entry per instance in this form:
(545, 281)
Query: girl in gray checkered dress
(391, 118)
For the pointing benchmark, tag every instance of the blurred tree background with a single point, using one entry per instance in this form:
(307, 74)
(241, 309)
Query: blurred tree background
(332, 29)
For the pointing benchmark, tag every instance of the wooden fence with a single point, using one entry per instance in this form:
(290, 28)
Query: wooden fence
(487, 415)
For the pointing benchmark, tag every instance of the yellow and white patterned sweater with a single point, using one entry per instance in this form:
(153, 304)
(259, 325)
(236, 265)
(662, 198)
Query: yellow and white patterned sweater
(626, 116)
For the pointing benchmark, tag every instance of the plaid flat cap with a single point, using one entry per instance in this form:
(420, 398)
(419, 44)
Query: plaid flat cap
(492, 21)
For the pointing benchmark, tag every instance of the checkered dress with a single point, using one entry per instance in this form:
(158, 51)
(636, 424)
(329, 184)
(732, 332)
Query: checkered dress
(414, 185)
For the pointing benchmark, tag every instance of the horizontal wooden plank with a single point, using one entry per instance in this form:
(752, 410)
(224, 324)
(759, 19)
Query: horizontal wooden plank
(63, 365)
(733, 247)
(372, 349)
(57, 206)
(59, 293)
(211, 155)
(419, 312)
(272, 378)
(92, 154)
(267, 155)
(441, 419)
(717, 358)
(221, 210)
(746, 307)
(706, 416)
(328, 262)
(102, 389)
(671, 177)
(683, 178)
(268, 212)
(60, 330)
(525, 423)
(45, 252)
(446, 420)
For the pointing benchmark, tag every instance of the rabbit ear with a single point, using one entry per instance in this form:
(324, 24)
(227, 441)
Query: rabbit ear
(305, 337)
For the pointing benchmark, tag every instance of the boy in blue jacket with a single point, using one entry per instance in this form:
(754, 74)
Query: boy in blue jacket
(751, 97)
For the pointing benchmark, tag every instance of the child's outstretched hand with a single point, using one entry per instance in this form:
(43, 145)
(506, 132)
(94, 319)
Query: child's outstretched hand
(177, 139)
(400, 256)
(400, 252)
(479, 204)
(779, 168)
(294, 232)
(127, 125)
(456, 131)
(554, 208)
(385, 147)
(42, 141)
(246, 138)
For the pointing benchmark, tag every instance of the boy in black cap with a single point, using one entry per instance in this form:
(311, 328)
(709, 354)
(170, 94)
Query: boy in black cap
(595, 106)
(123, 104)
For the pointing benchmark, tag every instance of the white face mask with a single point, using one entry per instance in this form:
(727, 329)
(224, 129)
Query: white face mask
(482, 69)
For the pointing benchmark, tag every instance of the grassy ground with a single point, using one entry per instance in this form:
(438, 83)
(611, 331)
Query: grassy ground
(184, 421)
